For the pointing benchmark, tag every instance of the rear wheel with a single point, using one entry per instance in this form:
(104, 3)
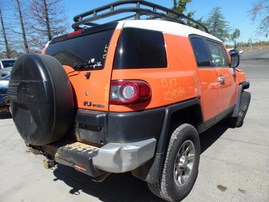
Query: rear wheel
(181, 164)
(41, 99)
(243, 108)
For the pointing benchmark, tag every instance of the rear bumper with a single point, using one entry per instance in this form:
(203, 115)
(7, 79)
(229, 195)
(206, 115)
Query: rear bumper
(101, 128)
(113, 157)
(123, 157)
(122, 141)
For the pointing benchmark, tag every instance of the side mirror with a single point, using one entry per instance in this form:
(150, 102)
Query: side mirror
(235, 60)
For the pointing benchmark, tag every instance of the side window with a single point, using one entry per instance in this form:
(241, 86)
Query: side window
(200, 52)
(138, 48)
(218, 54)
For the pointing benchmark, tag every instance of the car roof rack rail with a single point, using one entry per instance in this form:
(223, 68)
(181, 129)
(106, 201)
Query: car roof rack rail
(137, 9)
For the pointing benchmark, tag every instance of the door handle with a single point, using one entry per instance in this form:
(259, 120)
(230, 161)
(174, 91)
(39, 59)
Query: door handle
(221, 80)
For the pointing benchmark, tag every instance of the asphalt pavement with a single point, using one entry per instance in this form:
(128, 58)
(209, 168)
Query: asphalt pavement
(234, 163)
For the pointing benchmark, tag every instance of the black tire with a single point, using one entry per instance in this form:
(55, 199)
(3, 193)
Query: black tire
(41, 99)
(184, 139)
(236, 122)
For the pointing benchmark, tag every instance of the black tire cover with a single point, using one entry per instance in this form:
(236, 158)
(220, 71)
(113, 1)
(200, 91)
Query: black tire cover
(41, 99)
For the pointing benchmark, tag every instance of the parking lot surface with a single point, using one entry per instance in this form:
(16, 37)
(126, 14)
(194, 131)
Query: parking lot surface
(234, 163)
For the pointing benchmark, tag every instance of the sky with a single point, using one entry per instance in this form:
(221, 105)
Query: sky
(236, 12)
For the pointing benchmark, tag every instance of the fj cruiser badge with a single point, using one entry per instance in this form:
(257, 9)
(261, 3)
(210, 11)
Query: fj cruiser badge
(90, 104)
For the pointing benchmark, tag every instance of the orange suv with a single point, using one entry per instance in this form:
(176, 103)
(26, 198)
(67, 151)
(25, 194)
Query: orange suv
(128, 95)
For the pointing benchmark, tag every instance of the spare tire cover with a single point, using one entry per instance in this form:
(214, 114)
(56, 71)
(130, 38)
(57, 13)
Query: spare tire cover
(41, 99)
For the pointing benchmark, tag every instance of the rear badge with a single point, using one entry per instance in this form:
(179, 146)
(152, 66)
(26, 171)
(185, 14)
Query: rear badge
(90, 104)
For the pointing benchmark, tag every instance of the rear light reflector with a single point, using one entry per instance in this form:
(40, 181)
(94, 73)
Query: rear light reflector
(79, 167)
(129, 92)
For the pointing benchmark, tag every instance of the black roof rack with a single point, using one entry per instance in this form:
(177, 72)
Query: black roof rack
(137, 9)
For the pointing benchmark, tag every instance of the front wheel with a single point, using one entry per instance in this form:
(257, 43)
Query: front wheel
(236, 122)
(181, 164)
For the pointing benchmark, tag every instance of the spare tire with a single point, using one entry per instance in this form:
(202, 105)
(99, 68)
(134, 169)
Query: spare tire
(41, 99)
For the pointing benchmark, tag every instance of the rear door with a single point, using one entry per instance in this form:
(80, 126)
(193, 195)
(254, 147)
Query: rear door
(87, 57)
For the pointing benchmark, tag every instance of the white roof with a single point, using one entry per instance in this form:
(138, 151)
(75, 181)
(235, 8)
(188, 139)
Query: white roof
(165, 27)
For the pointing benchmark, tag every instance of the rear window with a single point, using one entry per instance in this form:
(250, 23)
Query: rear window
(138, 48)
(82, 52)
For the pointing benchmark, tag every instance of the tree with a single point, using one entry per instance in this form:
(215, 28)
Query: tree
(180, 5)
(48, 20)
(7, 46)
(234, 36)
(260, 12)
(22, 23)
(217, 25)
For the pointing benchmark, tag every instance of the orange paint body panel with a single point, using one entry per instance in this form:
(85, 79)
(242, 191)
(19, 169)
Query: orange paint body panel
(240, 75)
(171, 84)
(99, 81)
(229, 90)
(210, 94)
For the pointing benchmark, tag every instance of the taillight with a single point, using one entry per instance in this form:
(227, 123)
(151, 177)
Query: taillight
(129, 92)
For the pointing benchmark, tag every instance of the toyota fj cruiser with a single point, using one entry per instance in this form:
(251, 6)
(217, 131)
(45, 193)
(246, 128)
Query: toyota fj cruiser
(128, 95)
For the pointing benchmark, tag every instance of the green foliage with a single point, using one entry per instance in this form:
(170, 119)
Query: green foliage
(260, 12)
(217, 25)
(180, 5)
(234, 36)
